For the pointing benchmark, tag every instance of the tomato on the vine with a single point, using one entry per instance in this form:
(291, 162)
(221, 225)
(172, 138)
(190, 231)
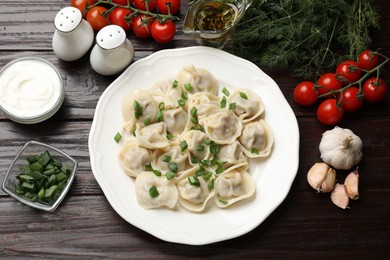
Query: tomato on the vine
(305, 93)
(145, 5)
(123, 2)
(168, 6)
(367, 60)
(81, 4)
(163, 32)
(328, 82)
(329, 112)
(351, 99)
(118, 17)
(96, 19)
(348, 71)
(374, 89)
(142, 25)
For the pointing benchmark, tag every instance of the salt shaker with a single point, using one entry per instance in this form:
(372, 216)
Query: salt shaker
(113, 52)
(73, 36)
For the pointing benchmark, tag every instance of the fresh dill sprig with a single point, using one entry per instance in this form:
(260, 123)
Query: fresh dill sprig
(308, 36)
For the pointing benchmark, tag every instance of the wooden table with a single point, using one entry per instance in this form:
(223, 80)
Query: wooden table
(305, 225)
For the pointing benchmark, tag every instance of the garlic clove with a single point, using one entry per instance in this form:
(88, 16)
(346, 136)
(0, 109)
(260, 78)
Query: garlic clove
(318, 179)
(329, 181)
(352, 185)
(339, 196)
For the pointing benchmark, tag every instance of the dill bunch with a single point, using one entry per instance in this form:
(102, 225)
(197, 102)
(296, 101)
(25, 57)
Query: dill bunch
(308, 36)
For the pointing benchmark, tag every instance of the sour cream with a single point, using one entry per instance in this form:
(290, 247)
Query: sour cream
(31, 90)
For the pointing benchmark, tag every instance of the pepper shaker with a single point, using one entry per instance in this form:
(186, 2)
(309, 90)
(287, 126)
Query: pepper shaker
(113, 52)
(73, 36)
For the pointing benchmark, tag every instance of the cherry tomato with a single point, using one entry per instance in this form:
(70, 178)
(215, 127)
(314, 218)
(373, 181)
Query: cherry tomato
(142, 26)
(123, 2)
(328, 82)
(81, 4)
(163, 32)
(305, 94)
(96, 19)
(351, 99)
(118, 17)
(367, 60)
(329, 113)
(145, 5)
(168, 6)
(348, 71)
(374, 90)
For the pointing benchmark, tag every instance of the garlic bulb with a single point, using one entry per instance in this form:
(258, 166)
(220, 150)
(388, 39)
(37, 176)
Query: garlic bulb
(321, 177)
(341, 148)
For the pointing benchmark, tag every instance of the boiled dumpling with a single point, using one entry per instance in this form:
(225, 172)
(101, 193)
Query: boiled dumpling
(256, 139)
(195, 80)
(138, 107)
(153, 136)
(133, 158)
(173, 160)
(175, 119)
(233, 186)
(232, 156)
(204, 102)
(248, 104)
(196, 144)
(166, 195)
(222, 127)
(169, 89)
(194, 191)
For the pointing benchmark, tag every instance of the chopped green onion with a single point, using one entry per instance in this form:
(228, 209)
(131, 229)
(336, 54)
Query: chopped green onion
(219, 169)
(232, 106)
(173, 167)
(147, 121)
(49, 192)
(225, 91)
(138, 110)
(211, 184)
(214, 148)
(194, 120)
(223, 201)
(223, 102)
(170, 175)
(207, 162)
(36, 166)
(117, 137)
(153, 192)
(181, 102)
(175, 83)
(169, 136)
(157, 172)
(200, 172)
(161, 106)
(193, 111)
(254, 150)
(148, 167)
(188, 87)
(207, 176)
(159, 116)
(208, 141)
(193, 180)
(183, 145)
(197, 127)
(243, 95)
(167, 158)
(27, 185)
(184, 95)
(200, 148)
(194, 159)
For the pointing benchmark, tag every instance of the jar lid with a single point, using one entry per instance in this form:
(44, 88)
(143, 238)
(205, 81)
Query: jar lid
(110, 37)
(67, 19)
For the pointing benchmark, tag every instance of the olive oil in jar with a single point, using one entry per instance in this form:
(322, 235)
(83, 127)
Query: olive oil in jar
(215, 16)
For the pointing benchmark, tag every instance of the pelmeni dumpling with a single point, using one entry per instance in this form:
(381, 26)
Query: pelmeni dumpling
(171, 160)
(222, 127)
(167, 88)
(232, 156)
(167, 192)
(248, 104)
(194, 193)
(153, 136)
(133, 158)
(196, 144)
(256, 139)
(204, 102)
(175, 119)
(147, 108)
(233, 186)
(200, 80)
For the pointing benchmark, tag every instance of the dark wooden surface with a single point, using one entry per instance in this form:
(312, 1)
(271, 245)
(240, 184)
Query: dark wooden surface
(306, 225)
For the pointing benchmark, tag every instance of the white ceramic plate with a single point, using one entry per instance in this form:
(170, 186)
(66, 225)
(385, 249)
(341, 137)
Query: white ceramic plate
(274, 176)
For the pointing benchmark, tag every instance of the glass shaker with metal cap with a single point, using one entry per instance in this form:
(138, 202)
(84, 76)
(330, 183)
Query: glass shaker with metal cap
(113, 52)
(73, 36)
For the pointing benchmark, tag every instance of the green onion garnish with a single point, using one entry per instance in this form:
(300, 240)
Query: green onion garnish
(148, 167)
(193, 111)
(161, 106)
(214, 148)
(181, 102)
(159, 116)
(188, 87)
(173, 167)
(138, 110)
(207, 176)
(254, 150)
(153, 192)
(211, 184)
(225, 91)
(184, 95)
(243, 95)
(183, 145)
(170, 175)
(232, 106)
(222, 104)
(147, 121)
(194, 120)
(167, 158)
(194, 159)
(200, 148)
(200, 172)
(157, 172)
(175, 83)
(169, 136)
(223, 201)
(193, 180)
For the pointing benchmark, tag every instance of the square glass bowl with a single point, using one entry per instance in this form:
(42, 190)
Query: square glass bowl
(36, 148)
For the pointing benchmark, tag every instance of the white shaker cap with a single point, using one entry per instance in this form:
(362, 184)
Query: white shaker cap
(67, 19)
(110, 37)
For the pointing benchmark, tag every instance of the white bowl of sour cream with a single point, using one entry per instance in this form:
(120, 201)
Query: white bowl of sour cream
(31, 90)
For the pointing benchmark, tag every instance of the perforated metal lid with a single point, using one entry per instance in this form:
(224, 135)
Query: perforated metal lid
(67, 19)
(110, 37)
